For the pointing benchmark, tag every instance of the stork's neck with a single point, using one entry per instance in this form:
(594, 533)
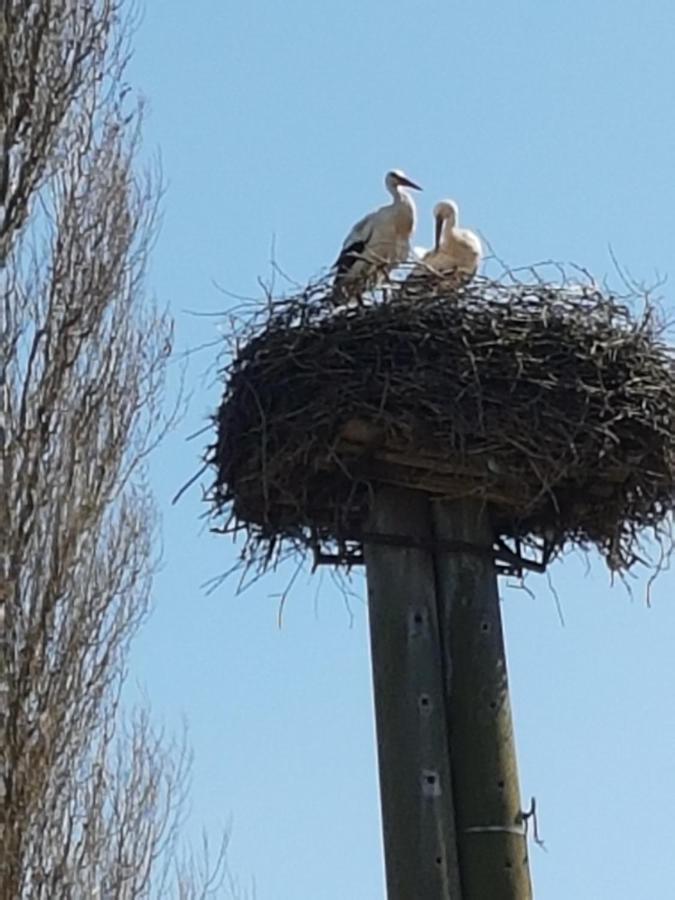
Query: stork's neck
(407, 213)
(447, 228)
(403, 201)
(400, 196)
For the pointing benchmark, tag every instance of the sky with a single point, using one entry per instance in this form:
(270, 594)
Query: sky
(551, 125)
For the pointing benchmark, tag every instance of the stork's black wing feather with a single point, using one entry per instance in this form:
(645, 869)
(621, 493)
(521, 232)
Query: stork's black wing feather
(350, 254)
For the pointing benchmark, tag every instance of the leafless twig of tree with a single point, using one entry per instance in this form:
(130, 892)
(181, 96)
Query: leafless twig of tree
(87, 811)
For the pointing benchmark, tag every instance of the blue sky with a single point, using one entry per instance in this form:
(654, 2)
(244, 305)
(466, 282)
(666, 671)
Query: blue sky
(552, 125)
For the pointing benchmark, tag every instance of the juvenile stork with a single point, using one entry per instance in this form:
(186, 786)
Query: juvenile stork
(377, 243)
(456, 253)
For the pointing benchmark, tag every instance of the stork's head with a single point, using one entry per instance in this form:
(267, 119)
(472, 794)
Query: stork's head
(444, 211)
(396, 179)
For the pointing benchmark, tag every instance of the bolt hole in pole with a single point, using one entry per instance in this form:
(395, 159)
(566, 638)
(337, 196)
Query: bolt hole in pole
(431, 784)
(418, 624)
(425, 704)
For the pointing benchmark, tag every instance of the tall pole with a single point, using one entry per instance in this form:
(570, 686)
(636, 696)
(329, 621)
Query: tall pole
(452, 819)
(491, 840)
(415, 778)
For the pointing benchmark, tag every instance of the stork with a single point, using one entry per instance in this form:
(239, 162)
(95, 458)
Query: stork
(377, 243)
(456, 253)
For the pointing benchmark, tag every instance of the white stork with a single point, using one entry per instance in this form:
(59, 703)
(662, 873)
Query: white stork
(456, 253)
(377, 243)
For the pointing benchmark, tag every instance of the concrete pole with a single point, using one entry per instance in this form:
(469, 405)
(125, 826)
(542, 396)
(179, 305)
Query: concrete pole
(492, 845)
(415, 778)
(452, 819)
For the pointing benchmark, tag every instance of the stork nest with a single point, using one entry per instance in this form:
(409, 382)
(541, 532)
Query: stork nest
(552, 403)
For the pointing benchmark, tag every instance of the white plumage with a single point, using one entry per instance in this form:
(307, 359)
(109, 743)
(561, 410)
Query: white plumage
(380, 241)
(457, 252)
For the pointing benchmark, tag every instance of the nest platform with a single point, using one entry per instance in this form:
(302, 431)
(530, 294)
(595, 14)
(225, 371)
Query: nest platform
(554, 405)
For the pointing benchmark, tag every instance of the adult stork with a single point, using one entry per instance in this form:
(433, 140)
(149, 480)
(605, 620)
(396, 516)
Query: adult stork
(456, 253)
(378, 242)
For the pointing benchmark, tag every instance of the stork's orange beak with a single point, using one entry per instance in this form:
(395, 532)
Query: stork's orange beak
(406, 182)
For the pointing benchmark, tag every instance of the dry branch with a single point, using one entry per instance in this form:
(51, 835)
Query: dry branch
(86, 812)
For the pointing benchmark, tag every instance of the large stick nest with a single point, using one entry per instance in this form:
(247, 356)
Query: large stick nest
(554, 404)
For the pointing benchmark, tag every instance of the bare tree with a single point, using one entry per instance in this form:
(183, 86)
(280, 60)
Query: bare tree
(87, 811)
